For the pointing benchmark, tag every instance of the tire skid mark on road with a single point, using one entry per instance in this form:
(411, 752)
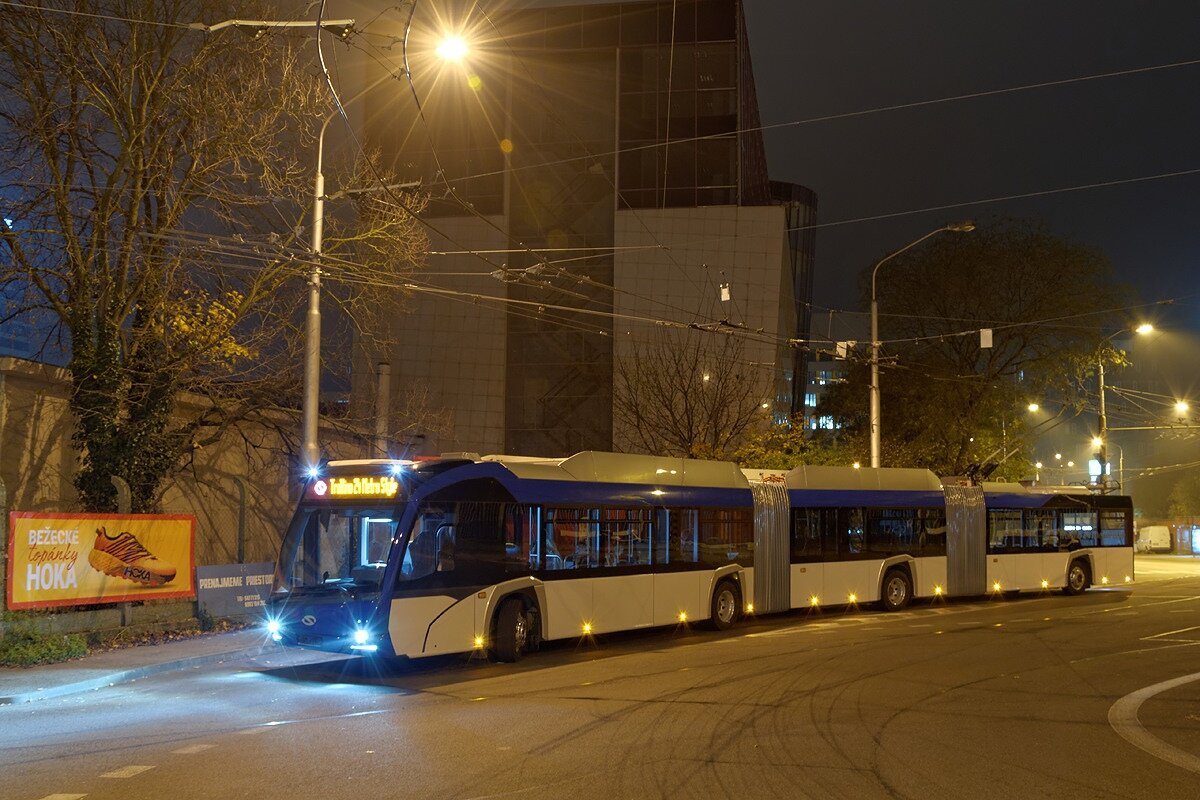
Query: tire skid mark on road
(1123, 717)
(127, 772)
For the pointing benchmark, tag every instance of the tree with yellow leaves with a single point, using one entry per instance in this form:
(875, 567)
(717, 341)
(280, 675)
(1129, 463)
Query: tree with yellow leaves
(155, 187)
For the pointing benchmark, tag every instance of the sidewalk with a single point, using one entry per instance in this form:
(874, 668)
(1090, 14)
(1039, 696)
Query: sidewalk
(25, 684)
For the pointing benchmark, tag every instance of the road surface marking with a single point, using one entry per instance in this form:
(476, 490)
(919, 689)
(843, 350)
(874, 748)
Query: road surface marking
(1172, 633)
(193, 749)
(126, 772)
(1123, 717)
(252, 731)
(64, 797)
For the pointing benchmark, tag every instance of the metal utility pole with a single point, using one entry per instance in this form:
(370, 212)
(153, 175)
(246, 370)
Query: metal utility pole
(965, 226)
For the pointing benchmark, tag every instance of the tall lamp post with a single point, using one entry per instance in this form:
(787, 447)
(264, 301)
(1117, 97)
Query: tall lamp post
(1102, 437)
(964, 227)
(451, 49)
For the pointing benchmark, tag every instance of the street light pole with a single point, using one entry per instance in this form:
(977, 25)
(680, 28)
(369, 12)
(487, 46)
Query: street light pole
(342, 28)
(964, 226)
(1102, 435)
(310, 450)
(1103, 449)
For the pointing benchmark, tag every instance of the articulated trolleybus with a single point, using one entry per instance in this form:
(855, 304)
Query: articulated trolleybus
(500, 553)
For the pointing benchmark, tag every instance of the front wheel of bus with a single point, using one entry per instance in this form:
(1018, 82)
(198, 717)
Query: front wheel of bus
(1078, 577)
(512, 631)
(897, 590)
(726, 605)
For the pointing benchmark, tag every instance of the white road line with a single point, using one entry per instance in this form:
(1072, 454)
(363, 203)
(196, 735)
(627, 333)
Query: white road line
(192, 749)
(127, 772)
(1123, 717)
(252, 731)
(1169, 633)
(64, 797)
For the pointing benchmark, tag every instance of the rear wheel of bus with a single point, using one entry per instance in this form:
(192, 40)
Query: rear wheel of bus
(897, 590)
(726, 605)
(512, 631)
(1079, 577)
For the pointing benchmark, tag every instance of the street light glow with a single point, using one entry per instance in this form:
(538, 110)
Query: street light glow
(452, 48)
(1144, 328)
(1181, 406)
(1033, 406)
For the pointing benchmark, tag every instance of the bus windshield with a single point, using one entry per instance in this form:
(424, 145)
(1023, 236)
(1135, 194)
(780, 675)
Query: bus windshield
(338, 548)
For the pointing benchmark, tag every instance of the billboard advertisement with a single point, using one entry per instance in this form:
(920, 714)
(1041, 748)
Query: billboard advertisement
(79, 559)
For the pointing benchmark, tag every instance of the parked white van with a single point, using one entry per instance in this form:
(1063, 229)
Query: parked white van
(1154, 539)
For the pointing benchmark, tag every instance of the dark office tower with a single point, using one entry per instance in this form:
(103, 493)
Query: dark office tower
(601, 169)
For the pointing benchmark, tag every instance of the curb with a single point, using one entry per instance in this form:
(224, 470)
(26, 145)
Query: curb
(127, 675)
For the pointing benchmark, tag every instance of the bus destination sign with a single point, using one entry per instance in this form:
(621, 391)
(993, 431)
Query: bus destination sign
(344, 488)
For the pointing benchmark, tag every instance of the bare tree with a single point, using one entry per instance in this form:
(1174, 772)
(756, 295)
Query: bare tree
(687, 393)
(154, 191)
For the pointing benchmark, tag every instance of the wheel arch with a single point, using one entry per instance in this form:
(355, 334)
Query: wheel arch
(529, 590)
(733, 572)
(1088, 561)
(905, 562)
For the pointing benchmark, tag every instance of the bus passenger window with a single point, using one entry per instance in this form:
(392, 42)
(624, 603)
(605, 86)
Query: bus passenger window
(684, 533)
(853, 528)
(1114, 530)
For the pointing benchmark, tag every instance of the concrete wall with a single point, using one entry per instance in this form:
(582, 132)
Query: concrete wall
(38, 463)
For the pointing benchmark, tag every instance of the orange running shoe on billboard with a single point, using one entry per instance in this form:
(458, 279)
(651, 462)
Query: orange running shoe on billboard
(123, 556)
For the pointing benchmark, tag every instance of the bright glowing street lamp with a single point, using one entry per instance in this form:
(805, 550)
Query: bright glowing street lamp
(965, 226)
(452, 48)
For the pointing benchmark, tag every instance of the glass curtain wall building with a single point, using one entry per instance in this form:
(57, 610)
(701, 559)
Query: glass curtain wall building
(601, 169)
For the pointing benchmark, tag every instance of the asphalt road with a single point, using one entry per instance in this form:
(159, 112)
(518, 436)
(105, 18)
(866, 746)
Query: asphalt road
(1095, 696)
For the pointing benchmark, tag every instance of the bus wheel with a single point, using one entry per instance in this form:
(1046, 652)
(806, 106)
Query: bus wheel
(726, 605)
(1078, 577)
(897, 590)
(512, 631)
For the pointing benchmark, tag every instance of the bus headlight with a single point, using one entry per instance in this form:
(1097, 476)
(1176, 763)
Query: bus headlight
(272, 626)
(361, 636)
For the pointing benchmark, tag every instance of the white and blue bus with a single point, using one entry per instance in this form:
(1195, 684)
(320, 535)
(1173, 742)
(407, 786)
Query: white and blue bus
(500, 553)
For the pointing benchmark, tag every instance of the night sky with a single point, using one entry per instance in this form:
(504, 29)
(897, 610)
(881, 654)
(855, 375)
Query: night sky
(814, 58)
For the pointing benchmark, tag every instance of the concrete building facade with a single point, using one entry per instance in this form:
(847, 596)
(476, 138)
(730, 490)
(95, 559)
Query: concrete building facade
(597, 173)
